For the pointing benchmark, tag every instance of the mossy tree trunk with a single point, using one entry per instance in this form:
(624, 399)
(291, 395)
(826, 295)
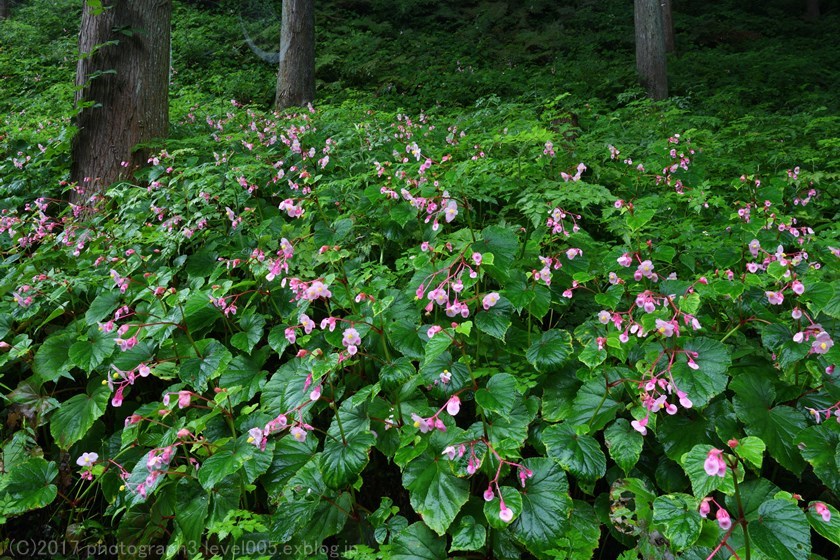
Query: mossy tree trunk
(296, 75)
(651, 61)
(123, 89)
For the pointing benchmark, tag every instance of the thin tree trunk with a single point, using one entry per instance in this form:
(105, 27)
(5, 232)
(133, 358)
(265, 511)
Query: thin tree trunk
(668, 25)
(651, 62)
(296, 75)
(4, 9)
(812, 10)
(123, 95)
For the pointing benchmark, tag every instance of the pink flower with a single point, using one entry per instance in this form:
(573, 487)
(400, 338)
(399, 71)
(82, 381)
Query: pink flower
(476, 258)
(433, 330)
(453, 405)
(315, 394)
(775, 298)
(257, 437)
(351, 340)
(451, 211)
(307, 323)
(328, 322)
(291, 335)
(298, 433)
(684, 400)
(723, 519)
(89, 458)
(450, 452)
(488, 494)
(822, 510)
(714, 465)
(625, 260)
(646, 269)
(822, 343)
(640, 425)
(667, 328)
(755, 247)
(490, 300)
(797, 287)
(705, 507)
(184, 399)
(505, 513)
(604, 317)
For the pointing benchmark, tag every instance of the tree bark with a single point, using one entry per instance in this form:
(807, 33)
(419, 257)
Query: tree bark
(296, 75)
(668, 24)
(123, 89)
(812, 10)
(4, 9)
(651, 62)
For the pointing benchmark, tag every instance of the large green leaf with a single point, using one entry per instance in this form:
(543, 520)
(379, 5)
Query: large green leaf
(343, 461)
(28, 486)
(701, 483)
(75, 416)
(581, 455)
(435, 492)
(213, 360)
(417, 542)
(500, 394)
(492, 509)
(819, 446)
(710, 378)
(469, 535)
(91, 353)
(594, 405)
(52, 358)
(829, 529)
(102, 306)
(624, 444)
(496, 320)
(777, 426)
(191, 513)
(678, 516)
(546, 506)
(231, 457)
(289, 457)
(550, 352)
(781, 531)
(252, 330)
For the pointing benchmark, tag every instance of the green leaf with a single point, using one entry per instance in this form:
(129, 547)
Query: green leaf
(28, 486)
(230, 458)
(437, 345)
(832, 308)
(819, 446)
(52, 358)
(290, 455)
(198, 371)
(777, 426)
(513, 501)
(751, 449)
(818, 295)
(469, 535)
(678, 515)
(611, 298)
(342, 462)
(500, 394)
(252, 329)
(496, 320)
(102, 306)
(191, 513)
(199, 313)
(710, 379)
(90, 354)
(417, 542)
(594, 405)
(829, 530)
(435, 492)
(781, 531)
(639, 218)
(546, 506)
(550, 351)
(624, 444)
(394, 374)
(579, 454)
(75, 416)
(701, 483)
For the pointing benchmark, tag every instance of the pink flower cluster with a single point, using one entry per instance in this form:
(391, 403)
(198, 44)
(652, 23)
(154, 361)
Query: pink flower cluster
(722, 516)
(452, 406)
(122, 379)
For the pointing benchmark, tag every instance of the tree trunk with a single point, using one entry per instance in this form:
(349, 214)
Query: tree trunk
(296, 75)
(668, 24)
(651, 63)
(4, 9)
(812, 10)
(123, 89)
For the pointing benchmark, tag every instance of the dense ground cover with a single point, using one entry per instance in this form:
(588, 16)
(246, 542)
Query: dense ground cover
(483, 299)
